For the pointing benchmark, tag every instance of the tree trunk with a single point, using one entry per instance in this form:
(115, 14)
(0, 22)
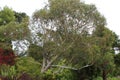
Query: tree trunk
(104, 75)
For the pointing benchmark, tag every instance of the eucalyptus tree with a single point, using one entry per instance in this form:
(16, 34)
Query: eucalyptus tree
(64, 33)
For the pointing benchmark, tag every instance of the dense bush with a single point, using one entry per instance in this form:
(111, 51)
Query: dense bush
(7, 57)
(27, 65)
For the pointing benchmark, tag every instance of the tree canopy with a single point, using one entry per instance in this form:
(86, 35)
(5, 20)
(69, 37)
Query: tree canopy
(65, 40)
(6, 16)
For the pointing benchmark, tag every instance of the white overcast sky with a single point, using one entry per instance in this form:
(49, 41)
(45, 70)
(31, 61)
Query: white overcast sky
(108, 8)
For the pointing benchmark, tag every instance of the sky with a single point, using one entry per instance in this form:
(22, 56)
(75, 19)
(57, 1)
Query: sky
(108, 8)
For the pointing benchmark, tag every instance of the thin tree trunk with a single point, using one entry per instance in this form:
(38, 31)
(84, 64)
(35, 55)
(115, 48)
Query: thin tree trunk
(104, 75)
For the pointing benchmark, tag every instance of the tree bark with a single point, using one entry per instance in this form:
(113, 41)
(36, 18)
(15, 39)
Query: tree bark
(104, 75)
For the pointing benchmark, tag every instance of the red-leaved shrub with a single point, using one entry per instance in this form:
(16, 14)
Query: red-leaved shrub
(7, 57)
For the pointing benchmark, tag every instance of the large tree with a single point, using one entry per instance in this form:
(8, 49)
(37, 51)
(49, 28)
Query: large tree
(63, 30)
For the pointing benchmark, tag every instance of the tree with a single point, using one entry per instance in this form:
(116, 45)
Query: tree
(6, 16)
(14, 30)
(20, 17)
(61, 26)
(105, 39)
(117, 64)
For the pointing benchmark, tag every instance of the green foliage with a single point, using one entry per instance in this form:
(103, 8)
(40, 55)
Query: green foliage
(8, 71)
(72, 35)
(12, 30)
(105, 40)
(98, 78)
(113, 78)
(28, 65)
(59, 73)
(71, 39)
(20, 17)
(35, 52)
(67, 74)
(117, 59)
(75, 32)
(6, 16)
(117, 64)
(109, 78)
(48, 75)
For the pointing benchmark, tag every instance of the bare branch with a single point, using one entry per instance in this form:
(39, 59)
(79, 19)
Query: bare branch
(71, 68)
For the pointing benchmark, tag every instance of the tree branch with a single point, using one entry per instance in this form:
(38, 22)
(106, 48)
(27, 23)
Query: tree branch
(71, 68)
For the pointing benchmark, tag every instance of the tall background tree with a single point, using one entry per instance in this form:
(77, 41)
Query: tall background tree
(6, 16)
(72, 31)
(13, 27)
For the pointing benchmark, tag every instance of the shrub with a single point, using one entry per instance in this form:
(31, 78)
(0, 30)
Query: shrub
(7, 57)
(27, 65)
